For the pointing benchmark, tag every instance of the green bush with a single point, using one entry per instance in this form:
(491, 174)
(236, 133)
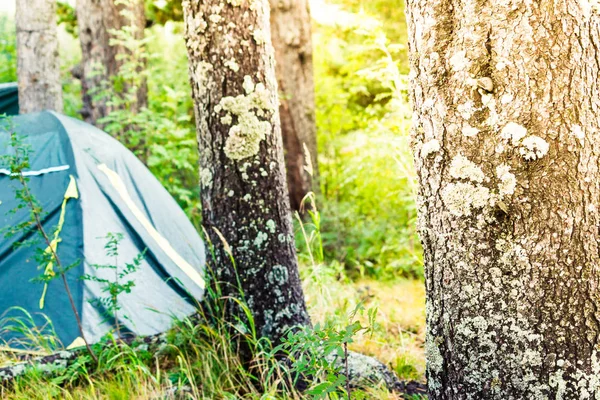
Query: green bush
(8, 49)
(363, 113)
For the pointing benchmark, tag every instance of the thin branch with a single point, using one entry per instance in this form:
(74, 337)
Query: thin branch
(58, 264)
(347, 370)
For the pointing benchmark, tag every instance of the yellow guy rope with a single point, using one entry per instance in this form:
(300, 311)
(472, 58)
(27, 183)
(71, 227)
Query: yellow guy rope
(71, 193)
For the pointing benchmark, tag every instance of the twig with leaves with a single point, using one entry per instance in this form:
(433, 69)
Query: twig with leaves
(115, 287)
(18, 163)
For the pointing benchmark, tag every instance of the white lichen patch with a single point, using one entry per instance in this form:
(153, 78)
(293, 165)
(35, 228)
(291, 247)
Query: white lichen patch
(462, 168)
(533, 148)
(197, 24)
(206, 177)
(271, 226)
(259, 36)
(466, 110)
(487, 100)
(478, 348)
(278, 275)
(255, 4)
(459, 61)
(469, 131)
(512, 254)
(435, 361)
(531, 357)
(215, 18)
(578, 133)
(235, 3)
(589, 7)
(461, 198)
(427, 104)
(486, 84)
(248, 131)
(506, 98)
(578, 383)
(227, 119)
(430, 147)
(261, 237)
(232, 65)
(513, 132)
(472, 327)
(248, 84)
(508, 181)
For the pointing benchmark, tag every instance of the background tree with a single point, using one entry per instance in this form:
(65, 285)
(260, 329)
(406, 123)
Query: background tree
(38, 63)
(291, 35)
(103, 57)
(507, 156)
(245, 207)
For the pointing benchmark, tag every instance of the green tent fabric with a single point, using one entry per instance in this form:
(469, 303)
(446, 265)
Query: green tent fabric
(9, 98)
(95, 186)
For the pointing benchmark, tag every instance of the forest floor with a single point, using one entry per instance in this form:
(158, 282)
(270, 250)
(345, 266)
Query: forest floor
(399, 336)
(397, 341)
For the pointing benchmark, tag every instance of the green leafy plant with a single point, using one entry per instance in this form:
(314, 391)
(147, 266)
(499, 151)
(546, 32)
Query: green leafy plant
(321, 352)
(116, 286)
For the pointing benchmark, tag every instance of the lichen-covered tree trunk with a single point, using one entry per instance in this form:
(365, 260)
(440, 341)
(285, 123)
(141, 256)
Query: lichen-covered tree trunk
(291, 33)
(38, 63)
(506, 98)
(245, 207)
(102, 61)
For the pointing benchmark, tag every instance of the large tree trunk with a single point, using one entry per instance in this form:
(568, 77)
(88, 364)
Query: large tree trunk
(102, 61)
(506, 95)
(38, 63)
(291, 33)
(245, 207)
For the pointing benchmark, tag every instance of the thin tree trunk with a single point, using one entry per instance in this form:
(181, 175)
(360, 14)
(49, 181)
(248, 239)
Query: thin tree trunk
(291, 33)
(38, 63)
(506, 96)
(245, 207)
(101, 62)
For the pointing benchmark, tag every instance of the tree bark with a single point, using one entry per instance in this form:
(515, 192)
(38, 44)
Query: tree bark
(291, 35)
(102, 61)
(38, 63)
(245, 207)
(506, 98)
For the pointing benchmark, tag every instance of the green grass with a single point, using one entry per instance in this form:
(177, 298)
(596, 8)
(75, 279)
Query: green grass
(201, 357)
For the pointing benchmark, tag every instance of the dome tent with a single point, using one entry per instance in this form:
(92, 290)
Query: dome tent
(87, 179)
(9, 98)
